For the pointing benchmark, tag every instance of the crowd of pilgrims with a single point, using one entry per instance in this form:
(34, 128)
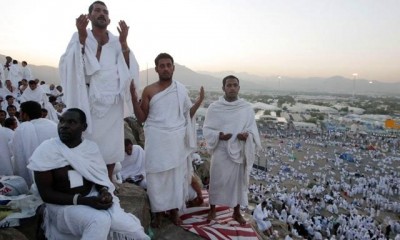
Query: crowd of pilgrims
(317, 194)
(327, 201)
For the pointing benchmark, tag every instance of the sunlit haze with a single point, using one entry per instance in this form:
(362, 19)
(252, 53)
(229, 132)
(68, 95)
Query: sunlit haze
(301, 38)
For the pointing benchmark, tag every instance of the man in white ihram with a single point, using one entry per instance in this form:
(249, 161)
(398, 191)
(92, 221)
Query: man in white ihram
(231, 134)
(95, 72)
(73, 181)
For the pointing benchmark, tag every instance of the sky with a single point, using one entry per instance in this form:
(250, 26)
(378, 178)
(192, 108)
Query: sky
(294, 38)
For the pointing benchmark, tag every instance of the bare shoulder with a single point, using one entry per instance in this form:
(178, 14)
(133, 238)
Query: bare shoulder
(152, 89)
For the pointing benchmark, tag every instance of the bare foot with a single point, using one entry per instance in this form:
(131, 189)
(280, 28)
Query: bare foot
(174, 216)
(239, 218)
(211, 215)
(156, 223)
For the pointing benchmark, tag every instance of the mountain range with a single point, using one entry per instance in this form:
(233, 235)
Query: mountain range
(212, 81)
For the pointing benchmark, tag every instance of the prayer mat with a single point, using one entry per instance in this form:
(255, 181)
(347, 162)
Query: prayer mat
(223, 227)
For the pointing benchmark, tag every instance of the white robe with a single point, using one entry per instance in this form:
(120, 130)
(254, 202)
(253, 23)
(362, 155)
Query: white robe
(27, 137)
(61, 221)
(15, 74)
(6, 136)
(100, 88)
(170, 139)
(133, 165)
(27, 73)
(231, 160)
(258, 215)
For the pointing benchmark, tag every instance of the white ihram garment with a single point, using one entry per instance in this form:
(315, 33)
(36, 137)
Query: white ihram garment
(79, 221)
(6, 136)
(100, 88)
(170, 139)
(231, 160)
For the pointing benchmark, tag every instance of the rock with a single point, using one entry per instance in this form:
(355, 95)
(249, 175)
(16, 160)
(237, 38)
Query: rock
(11, 234)
(134, 199)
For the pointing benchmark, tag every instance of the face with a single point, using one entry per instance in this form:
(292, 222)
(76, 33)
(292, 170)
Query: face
(165, 69)
(8, 83)
(99, 16)
(70, 127)
(11, 111)
(32, 85)
(14, 125)
(128, 149)
(2, 116)
(10, 101)
(231, 89)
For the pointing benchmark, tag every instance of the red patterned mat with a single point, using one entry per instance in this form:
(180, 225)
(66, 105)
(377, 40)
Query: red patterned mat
(222, 228)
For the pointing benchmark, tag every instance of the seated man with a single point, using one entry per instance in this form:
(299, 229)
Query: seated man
(260, 215)
(73, 181)
(132, 167)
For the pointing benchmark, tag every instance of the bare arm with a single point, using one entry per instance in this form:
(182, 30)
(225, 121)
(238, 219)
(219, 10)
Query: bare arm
(198, 102)
(44, 182)
(141, 109)
(123, 30)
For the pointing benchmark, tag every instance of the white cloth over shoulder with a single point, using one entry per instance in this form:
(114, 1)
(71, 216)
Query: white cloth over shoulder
(133, 164)
(109, 77)
(87, 160)
(27, 137)
(170, 139)
(259, 215)
(233, 117)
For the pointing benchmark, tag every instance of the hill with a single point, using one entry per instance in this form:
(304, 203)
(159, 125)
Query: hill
(212, 81)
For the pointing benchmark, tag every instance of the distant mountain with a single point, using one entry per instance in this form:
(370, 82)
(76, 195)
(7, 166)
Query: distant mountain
(212, 81)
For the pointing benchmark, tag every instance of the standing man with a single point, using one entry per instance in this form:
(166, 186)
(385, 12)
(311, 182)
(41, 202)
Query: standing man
(26, 71)
(72, 180)
(15, 74)
(231, 134)
(96, 71)
(169, 131)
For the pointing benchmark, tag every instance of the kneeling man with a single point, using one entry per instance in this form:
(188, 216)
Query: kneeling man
(72, 179)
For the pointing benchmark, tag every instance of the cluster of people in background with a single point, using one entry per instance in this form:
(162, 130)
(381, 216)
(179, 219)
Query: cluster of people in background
(74, 173)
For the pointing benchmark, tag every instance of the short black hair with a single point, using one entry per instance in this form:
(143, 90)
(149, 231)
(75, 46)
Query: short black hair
(9, 96)
(2, 111)
(128, 141)
(82, 115)
(32, 108)
(96, 2)
(228, 77)
(11, 106)
(9, 122)
(44, 110)
(163, 56)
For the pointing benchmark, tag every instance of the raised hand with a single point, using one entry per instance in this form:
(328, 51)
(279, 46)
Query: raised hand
(123, 30)
(81, 24)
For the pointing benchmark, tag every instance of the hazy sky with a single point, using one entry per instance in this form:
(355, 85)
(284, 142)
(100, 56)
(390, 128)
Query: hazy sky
(296, 38)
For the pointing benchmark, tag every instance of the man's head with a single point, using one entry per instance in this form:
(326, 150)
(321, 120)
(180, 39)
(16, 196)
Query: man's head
(164, 66)
(231, 87)
(11, 110)
(8, 59)
(3, 115)
(44, 113)
(71, 125)
(128, 146)
(8, 83)
(51, 87)
(32, 84)
(24, 63)
(11, 123)
(30, 110)
(59, 88)
(15, 61)
(10, 99)
(263, 204)
(98, 14)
